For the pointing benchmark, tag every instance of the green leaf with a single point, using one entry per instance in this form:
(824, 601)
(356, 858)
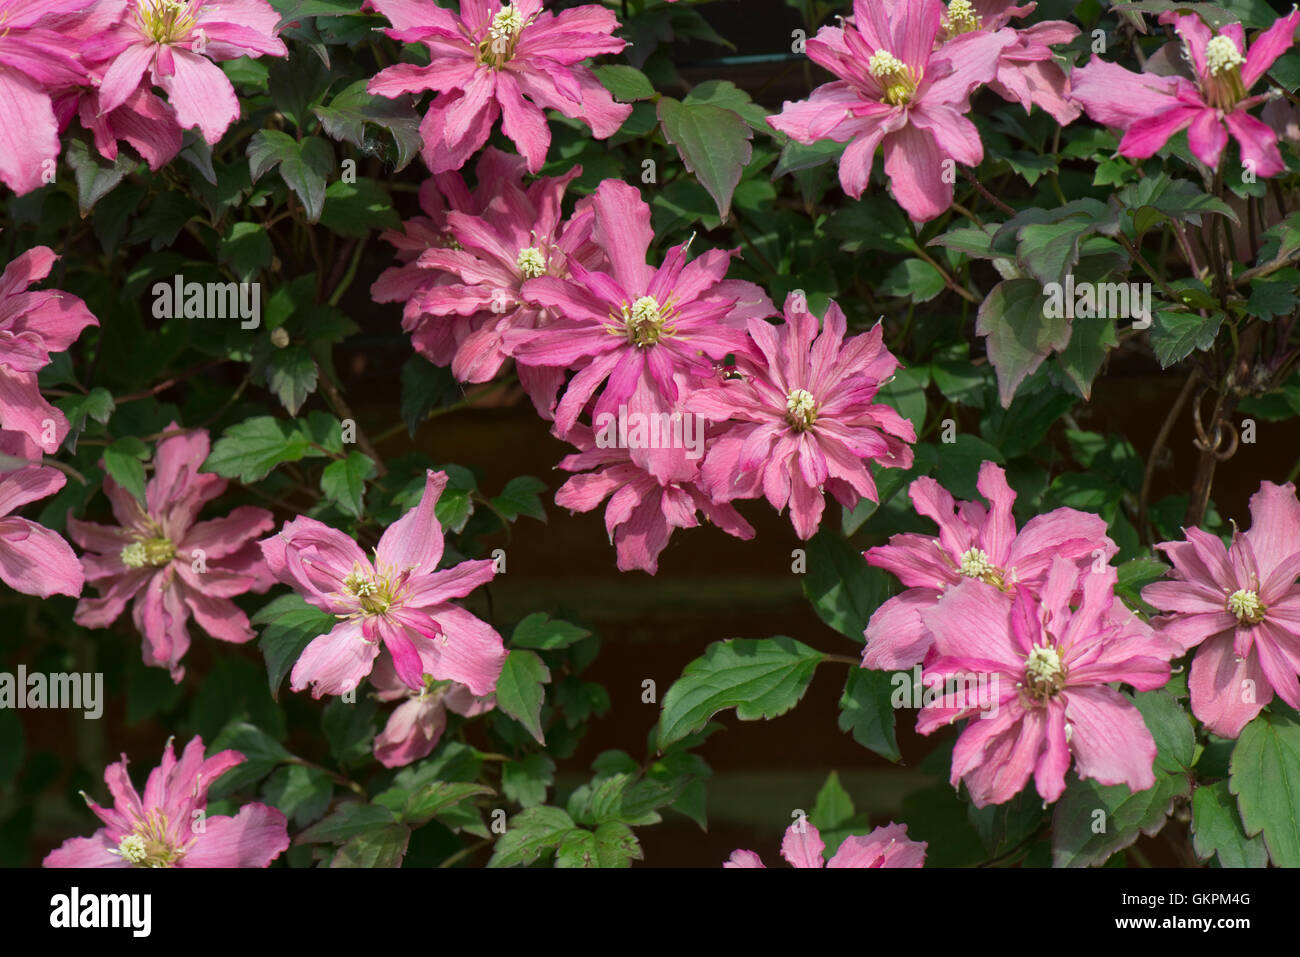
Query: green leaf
(519, 690)
(122, 462)
(914, 279)
(302, 793)
(713, 142)
(246, 249)
(844, 590)
(866, 710)
(344, 482)
(625, 83)
(288, 626)
(525, 781)
(959, 464)
(521, 496)
(528, 834)
(94, 182)
(348, 821)
(833, 807)
(434, 798)
(1265, 777)
(249, 450)
(382, 847)
(616, 845)
(354, 209)
(760, 678)
(1090, 340)
(1270, 299)
(291, 376)
(350, 729)
(1175, 335)
(1216, 829)
(540, 631)
(261, 754)
(425, 386)
(1020, 334)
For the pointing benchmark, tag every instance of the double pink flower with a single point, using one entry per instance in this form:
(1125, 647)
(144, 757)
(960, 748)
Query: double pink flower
(896, 91)
(1240, 608)
(500, 60)
(1211, 104)
(400, 603)
(169, 826)
(886, 846)
(176, 568)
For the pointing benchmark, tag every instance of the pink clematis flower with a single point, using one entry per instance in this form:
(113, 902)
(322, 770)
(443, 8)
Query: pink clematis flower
(637, 326)
(643, 510)
(806, 418)
(174, 567)
(1210, 107)
(36, 58)
(976, 542)
(520, 235)
(33, 559)
(505, 60)
(416, 725)
(175, 42)
(400, 601)
(439, 196)
(169, 826)
(1027, 73)
(1240, 607)
(886, 846)
(34, 324)
(896, 91)
(1053, 666)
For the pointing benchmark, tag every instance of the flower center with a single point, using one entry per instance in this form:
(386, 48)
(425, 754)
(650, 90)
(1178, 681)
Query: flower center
(165, 21)
(961, 18)
(531, 262)
(374, 595)
(645, 322)
(801, 409)
(149, 551)
(895, 76)
(1044, 673)
(1224, 86)
(149, 845)
(502, 38)
(1221, 55)
(1245, 604)
(975, 564)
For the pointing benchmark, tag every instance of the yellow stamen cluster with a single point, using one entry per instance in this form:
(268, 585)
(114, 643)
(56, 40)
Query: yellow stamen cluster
(1044, 672)
(1221, 55)
(374, 595)
(801, 409)
(644, 322)
(148, 551)
(166, 21)
(149, 844)
(975, 563)
(898, 79)
(1245, 604)
(502, 38)
(961, 18)
(531, 262)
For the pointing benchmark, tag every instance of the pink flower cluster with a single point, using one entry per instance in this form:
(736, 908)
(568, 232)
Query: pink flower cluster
(735, 407)
(102, 61)
(1031, 619)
